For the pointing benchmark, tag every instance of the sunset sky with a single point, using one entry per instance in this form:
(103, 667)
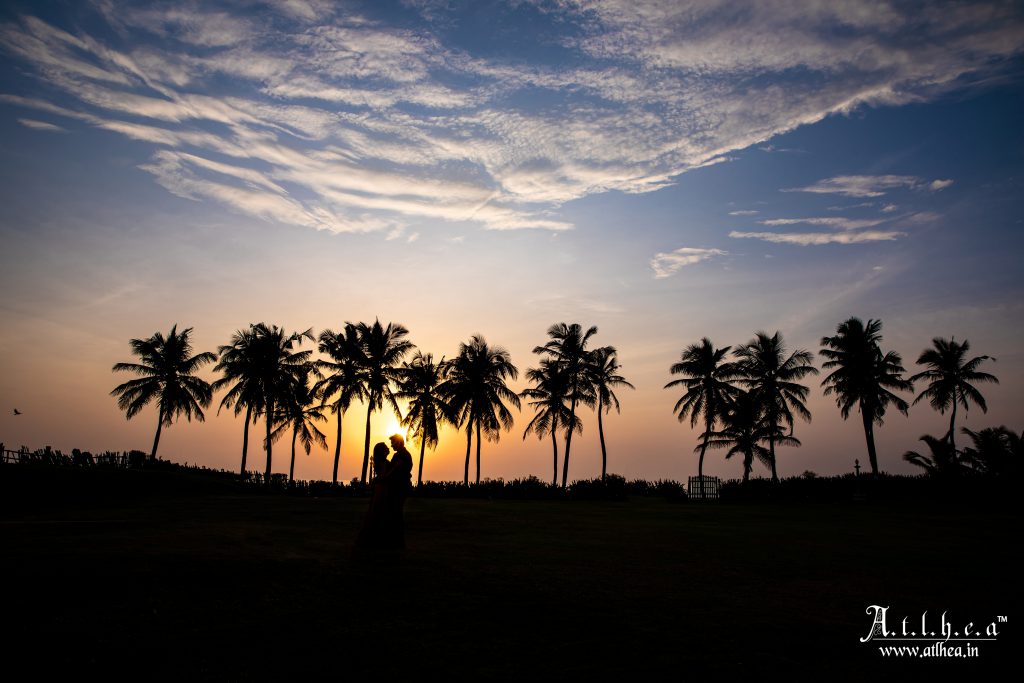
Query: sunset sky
(662, 170)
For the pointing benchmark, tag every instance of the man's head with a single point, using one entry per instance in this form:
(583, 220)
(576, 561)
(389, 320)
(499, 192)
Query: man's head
(397, 441)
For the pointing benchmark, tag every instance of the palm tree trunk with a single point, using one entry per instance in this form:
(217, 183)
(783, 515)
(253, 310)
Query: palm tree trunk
(159, 426)
(554, 445)
(952, 432)
(366, 444)
(270, 446)
(423, 451)
(604, 453)
(291, 469)
(469, 443)
(869, 435)
(568, 442)
(700, 463)
(771, 456)
(478, 451)
(245, 437)
(748, 463)
(337, 449)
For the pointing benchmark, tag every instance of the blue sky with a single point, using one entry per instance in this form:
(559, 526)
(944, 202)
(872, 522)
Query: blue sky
(663, 170)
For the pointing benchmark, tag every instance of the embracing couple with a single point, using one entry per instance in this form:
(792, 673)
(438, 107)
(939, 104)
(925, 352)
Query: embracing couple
(384, 527)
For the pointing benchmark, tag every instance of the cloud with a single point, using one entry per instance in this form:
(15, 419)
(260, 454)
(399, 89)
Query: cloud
(748, 212)
(817, 238)
(868, 185)
(359, 122)
(831, 221)
(668, 264)
(41, 125)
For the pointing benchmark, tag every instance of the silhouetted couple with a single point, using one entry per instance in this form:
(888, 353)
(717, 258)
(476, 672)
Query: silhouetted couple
(384, 527)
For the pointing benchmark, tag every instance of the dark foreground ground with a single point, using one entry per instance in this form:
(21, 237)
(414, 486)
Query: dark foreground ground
(230, 586)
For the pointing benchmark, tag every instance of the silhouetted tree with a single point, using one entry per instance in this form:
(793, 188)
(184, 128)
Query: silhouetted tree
(863, 376)
(238, 363)
(344, 380)
(476, 390)
(949, 379)
(549, 391)
(773, 380)
(602, 371)
(418, 382)
(383, 349)
(706, 379)
(166, 373)
(266, 373)
(568, 348)
(296, 410)
(942, 461)
(995, 451)
(744, 429)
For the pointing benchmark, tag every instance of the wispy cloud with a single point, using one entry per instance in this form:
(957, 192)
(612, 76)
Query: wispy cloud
(41, 125)
(869, 185)
(817, 238)
(831, 221)
(666, 264)
(747, 212)
(343, 121)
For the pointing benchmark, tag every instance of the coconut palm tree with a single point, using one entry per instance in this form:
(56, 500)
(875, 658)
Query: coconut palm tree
(568, 348)
(773, 378)
(706, 379)
(549, 393)
(995, 451)
(418, 382)
(238, 365)
(266, 373)
(863, 376)
(476, 390)
(743, 431)
(166, 373)
(603, 372)
(344, 380)
(383, 349)
(949, 379)
(297, 410)
(942, 461)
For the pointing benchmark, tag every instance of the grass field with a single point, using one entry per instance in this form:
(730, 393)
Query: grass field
(227, 586)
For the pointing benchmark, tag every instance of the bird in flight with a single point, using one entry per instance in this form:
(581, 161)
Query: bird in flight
(17, 412)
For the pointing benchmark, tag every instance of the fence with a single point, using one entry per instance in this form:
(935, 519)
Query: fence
(704, 488)
(48, 456)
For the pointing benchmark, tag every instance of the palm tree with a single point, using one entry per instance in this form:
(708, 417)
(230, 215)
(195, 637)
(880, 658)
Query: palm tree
(995, 451)
(345, 378)
(418, 383)
(706, 379)
(238, 365)
(950, 377)
(549, 392)
(743, 431)
(602, 370)
(568, 348)
(774, 382)
(166, 372)
(297, 410)
(476, 390)
(941, 462)
(383, 349)
(863, 376)
(265, 373)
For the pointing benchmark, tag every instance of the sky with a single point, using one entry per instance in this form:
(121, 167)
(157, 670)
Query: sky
(663, 170)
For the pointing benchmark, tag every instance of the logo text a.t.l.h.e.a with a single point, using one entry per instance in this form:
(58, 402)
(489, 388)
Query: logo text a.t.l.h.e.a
(909, 631)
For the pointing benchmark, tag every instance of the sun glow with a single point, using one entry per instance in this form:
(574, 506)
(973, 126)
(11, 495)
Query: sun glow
(395, 427)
